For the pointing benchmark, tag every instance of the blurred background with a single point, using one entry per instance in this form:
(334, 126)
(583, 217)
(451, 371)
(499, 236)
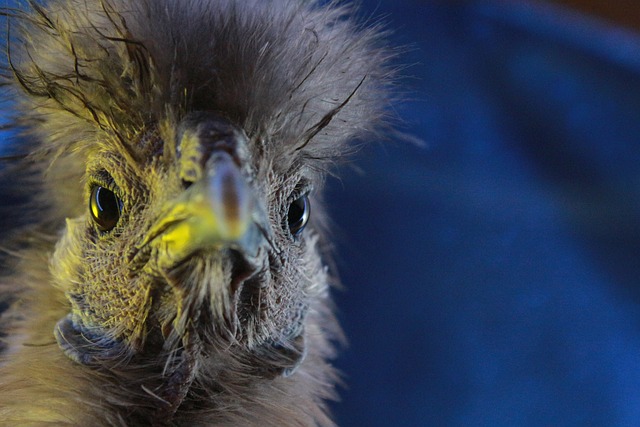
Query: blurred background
(492, 276)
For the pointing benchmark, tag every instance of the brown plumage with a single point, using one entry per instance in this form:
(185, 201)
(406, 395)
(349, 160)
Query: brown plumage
(167, 271)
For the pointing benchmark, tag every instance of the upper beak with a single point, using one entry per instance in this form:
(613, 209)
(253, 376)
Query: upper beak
(219, 210)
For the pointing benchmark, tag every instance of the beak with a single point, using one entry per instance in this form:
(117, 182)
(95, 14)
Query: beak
(218, 210)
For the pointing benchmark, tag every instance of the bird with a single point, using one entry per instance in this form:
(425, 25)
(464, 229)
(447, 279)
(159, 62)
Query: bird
(172, 264)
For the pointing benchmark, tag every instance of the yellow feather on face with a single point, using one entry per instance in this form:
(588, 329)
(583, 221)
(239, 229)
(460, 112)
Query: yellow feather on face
(171, 270)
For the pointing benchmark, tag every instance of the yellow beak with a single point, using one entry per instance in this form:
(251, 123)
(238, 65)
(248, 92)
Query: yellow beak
(216, 211)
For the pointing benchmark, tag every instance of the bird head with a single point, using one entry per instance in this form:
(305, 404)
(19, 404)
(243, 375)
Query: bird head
(188, 245)
(197, 136)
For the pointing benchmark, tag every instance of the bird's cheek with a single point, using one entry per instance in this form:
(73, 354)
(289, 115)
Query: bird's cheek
(106, 311)
(67, 261)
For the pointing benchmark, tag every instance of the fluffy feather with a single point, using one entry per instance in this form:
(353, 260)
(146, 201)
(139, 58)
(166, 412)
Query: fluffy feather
(102, 89)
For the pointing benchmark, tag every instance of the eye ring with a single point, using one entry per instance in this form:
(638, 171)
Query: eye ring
(105, 208)
(298, 214)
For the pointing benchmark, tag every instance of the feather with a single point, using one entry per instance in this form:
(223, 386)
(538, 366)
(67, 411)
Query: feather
(155, 277)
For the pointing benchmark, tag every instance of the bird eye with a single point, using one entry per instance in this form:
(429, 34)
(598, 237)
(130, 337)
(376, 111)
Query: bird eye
(298, 215)
(105, 208)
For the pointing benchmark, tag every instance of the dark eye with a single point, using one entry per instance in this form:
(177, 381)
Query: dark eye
(105, 208)
(298, 215)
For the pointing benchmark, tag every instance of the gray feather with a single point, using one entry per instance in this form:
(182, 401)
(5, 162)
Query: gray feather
(112, 328)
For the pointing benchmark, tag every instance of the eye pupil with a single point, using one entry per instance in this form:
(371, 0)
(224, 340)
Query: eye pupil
(105, 208)
(298, 215)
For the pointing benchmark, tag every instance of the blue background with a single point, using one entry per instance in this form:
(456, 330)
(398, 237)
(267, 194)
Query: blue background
(493, 276)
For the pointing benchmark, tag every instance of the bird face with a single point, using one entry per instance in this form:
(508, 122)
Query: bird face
(189, 249)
